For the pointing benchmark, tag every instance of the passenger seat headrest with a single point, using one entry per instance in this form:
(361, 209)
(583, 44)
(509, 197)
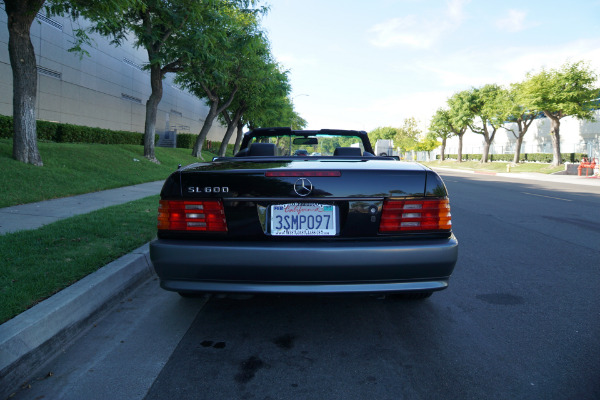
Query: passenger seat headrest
(262, 150)
(348, 151)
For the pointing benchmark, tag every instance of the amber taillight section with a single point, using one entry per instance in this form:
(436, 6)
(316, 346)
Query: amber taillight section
(177, 215)
(415, 216)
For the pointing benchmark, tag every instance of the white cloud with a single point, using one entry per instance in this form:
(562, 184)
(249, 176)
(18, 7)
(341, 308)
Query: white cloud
(513, 22)
(402, 31)
(460, 72)
(457, 74)
(386, 111)
(456, 10)
(292, 60)
(418, 31)
(517, 62)
(474, 67)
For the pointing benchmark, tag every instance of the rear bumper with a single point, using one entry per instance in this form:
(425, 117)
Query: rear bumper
(304, 267)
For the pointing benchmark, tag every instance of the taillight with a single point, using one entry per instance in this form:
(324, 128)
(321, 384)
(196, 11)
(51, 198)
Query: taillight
(176, 215)
(415, 215)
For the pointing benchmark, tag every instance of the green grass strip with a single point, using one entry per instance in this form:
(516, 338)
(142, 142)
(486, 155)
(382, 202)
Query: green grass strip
(38, 263)
(76, 168)
(496, 166)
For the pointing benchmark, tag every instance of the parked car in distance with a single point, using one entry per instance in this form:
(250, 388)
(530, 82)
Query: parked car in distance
(301, 152)
(268, 221)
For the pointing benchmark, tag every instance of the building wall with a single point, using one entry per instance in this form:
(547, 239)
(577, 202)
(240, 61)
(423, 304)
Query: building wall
(108, 89)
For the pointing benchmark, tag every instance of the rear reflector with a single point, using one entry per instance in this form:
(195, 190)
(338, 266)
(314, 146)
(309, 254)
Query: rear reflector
(303, 173)
(177, 215)
(415, 215)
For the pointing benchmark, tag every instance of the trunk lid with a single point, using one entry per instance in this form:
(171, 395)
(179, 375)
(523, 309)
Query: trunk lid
(247, 179)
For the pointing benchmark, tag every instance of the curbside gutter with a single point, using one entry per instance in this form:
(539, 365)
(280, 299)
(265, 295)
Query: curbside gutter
(36, 336)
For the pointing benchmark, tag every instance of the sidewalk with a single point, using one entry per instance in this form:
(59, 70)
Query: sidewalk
(35, 215)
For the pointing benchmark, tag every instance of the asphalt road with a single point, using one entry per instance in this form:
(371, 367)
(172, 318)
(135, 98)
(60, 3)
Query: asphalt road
(521, 320)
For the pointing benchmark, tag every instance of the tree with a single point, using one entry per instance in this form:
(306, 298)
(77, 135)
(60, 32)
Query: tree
(21, 14)
(489, 104)
(428, 143)
(441, 127)
(407, 136)
(486, 104)
(165, 29)
(459, 117)
(520, 114)
(259, 79)
(276, 110)
(567, 91)
(382, 133)
(268, 83)
(215, 66)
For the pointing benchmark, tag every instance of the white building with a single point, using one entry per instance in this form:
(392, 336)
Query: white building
(577, 136)
(108, 89)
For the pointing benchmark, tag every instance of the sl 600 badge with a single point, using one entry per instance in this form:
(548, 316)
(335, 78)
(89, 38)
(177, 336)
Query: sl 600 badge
(208, 189)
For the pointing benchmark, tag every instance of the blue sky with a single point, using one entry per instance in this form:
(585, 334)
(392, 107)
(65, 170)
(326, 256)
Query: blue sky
(359, 65)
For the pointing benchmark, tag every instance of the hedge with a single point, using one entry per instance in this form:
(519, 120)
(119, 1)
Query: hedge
(6, 126)
(186, 140)
(68, 133)
(531, 157)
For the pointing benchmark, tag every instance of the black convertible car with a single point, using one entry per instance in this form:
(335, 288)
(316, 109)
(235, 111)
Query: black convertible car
(274, 219)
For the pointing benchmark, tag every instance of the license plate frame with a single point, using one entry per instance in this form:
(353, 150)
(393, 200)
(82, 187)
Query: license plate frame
(303, 219)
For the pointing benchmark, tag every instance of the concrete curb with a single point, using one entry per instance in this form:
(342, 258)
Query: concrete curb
(31, 339)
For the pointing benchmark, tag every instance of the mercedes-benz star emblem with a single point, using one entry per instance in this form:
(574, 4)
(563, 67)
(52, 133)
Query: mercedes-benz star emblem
(303, 187)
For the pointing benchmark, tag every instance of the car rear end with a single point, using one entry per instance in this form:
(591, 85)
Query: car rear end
(304, 226)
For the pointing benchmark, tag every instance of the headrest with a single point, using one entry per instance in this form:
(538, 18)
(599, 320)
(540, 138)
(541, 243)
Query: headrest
(348, 151)
(262, 150)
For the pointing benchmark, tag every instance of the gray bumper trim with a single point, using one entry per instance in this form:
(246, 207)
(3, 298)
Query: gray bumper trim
(312, 288)
(309, 266)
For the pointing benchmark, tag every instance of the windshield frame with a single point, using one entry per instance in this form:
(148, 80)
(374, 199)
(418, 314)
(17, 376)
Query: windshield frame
(361, 136)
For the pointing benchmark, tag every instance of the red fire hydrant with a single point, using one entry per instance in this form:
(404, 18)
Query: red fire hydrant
(585, 163)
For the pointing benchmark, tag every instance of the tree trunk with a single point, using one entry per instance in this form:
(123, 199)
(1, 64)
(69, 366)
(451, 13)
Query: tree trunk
(210, 117)
(231, 125)
(443, 153)
(212, 114)
(486, 152)
(156, 76)
(460, 146)
(22, 60)
(555, 135)
(240, 135)
(228, 134)
(226, 139)
(518, 148)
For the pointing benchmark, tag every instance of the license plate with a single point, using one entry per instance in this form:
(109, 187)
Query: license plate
(303, 220)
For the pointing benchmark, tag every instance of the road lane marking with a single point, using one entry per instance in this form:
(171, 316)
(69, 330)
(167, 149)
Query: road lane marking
(548, 197)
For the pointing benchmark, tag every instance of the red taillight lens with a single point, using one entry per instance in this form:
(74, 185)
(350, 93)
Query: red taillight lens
(415, 215)
(176, 215)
